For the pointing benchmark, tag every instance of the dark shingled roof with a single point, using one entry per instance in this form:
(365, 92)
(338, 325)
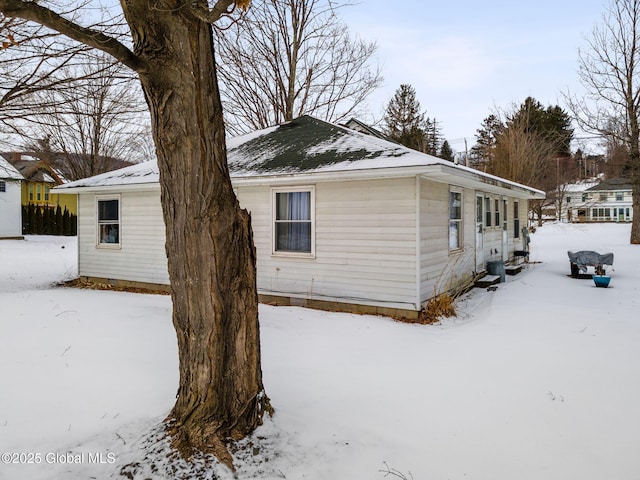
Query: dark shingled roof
(612, 184)
(306, 144)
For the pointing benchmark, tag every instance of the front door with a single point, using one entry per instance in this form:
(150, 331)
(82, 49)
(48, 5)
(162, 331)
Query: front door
(480, 232)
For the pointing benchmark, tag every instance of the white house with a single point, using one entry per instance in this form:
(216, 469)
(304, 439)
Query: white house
(607, 201)
(341, 219)
(10, 207)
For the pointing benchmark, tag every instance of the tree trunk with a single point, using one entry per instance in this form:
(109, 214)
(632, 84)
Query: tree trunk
(209, 245)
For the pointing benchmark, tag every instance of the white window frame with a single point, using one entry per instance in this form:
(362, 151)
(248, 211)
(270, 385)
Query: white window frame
(312, 200)
(458, 221)
(3, 186)
(99, 243)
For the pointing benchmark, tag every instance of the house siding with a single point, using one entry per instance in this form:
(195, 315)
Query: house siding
(365, 244)
(441, 268)
(10, 213)
(141, 256)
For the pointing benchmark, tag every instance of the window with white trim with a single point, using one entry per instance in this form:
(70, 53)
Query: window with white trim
(293, 221)
(455, 220)
(516, 219)
(3, 186)
(108, 216)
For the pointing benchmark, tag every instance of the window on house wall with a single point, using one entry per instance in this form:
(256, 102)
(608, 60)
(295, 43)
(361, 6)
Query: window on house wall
(108, 213)
(31, 192)
(46, 193)
(487, 212)
(455, 220)
(603, 197)
(3, 186)
(585, 197)
(619, 196)
(568, 199)
(516, 219)
(496, 212)
(293, 221)
(504, 215)
(38, 193)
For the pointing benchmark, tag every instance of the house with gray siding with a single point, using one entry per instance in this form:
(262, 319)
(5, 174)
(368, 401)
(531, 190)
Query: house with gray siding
(341, 220)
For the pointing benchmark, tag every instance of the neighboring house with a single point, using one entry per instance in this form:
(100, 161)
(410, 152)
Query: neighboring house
(571, 195)
(10, 210)
(341, 220)
(607, 201)
(39, 179)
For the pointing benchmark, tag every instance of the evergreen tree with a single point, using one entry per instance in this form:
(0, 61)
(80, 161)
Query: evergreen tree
(433, 137)
(446, 151)
(404, 121)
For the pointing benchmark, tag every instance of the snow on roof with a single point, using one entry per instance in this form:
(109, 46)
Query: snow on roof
(8, 171)
(304, 145)
(141, 173)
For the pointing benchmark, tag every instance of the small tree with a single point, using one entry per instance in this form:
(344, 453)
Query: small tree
(446, 151)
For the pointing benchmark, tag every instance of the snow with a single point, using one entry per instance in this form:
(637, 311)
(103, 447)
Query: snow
(8, 171)
(538, 379)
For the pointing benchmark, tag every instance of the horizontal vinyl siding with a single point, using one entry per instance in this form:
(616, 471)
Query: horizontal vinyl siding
(440, 268)
(365, 244)
(142, 256)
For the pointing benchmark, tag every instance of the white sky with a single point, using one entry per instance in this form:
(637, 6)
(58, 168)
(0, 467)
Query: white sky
(467, 58)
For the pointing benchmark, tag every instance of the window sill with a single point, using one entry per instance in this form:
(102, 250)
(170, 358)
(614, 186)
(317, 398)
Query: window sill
(299, 255)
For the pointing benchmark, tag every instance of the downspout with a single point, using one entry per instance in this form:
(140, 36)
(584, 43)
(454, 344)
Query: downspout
(418, 240)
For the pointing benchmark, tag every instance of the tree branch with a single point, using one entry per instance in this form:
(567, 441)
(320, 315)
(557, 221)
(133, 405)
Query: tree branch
(220, 9)
(32, 11)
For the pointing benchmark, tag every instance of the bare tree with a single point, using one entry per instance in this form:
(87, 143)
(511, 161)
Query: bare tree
(94, 125)
(34, 59)
(610, 71)
(523, 155)
(211, 257)
(292, 57)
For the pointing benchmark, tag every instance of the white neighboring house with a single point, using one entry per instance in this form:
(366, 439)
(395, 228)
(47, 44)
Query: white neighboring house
(10, 201)
(572, 194)
(341, 220)
(606, 201)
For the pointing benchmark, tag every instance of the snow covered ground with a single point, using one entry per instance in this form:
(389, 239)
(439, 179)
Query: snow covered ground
(537, 380)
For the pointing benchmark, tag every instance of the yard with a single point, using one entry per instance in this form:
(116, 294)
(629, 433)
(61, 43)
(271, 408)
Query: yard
(539, 379)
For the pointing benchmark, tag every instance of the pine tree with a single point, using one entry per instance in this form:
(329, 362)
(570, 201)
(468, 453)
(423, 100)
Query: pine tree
(446, 152)
(404, 121)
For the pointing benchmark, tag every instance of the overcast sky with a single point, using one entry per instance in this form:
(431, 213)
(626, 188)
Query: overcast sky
(467, 58)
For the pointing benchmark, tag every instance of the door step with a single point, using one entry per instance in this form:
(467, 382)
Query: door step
(487, 281)
(512, 269)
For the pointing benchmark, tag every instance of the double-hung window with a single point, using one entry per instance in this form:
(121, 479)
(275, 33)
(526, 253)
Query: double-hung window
(293, 221)
(516, 219)
(455, 220)
(108, 215)
(3, 186)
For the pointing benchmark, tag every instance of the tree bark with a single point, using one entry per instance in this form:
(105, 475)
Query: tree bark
(209, 245)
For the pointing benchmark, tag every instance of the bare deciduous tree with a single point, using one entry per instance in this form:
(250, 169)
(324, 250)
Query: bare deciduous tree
(91, 126)
(292, 57)
(34, 59)
(211, 257)
(610, 71)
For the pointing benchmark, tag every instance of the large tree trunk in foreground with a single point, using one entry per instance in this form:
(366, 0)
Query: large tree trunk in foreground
(209, 239)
